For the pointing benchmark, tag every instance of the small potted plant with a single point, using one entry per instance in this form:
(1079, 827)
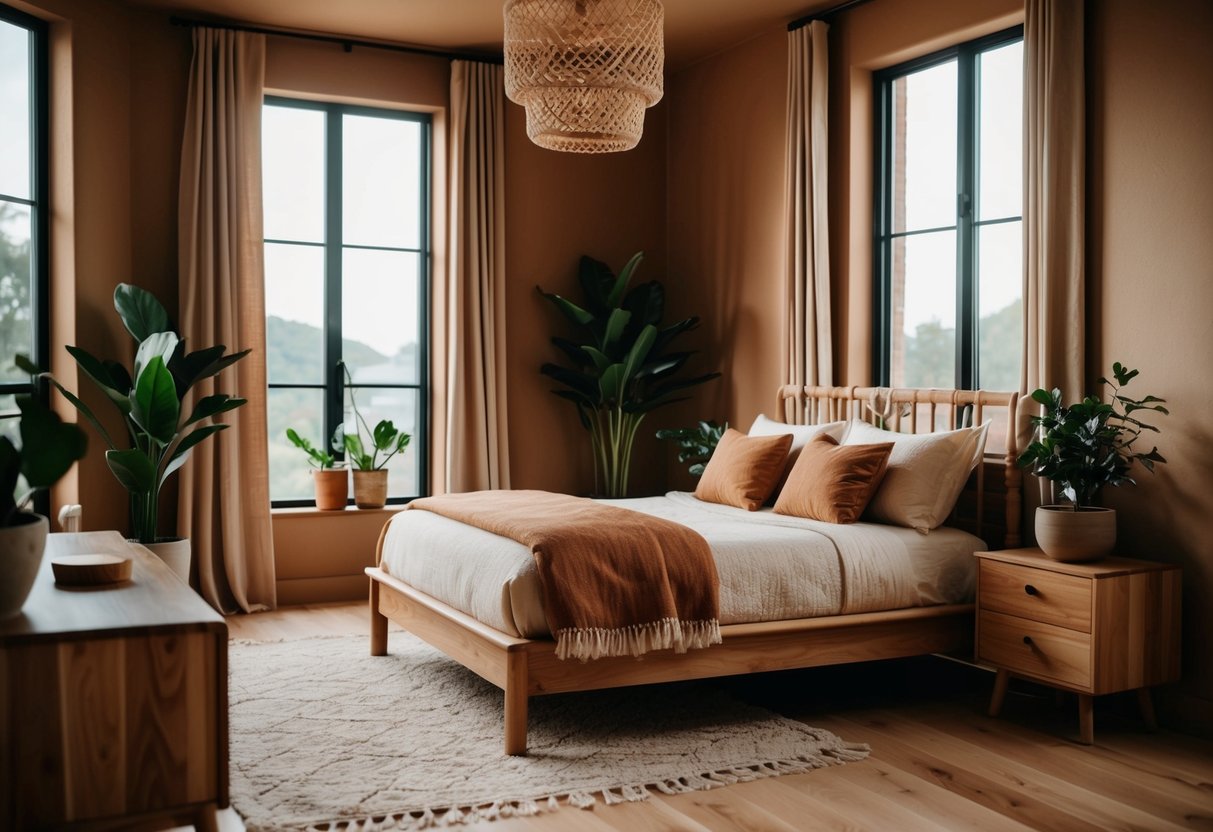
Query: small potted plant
(1082, 448)
(697, 444)
(49, 448)
(331, 481)
(363, 451)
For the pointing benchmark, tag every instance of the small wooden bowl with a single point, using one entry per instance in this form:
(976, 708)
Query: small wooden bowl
(90, 570)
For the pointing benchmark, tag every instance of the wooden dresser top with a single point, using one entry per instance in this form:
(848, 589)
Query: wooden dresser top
(153, 600)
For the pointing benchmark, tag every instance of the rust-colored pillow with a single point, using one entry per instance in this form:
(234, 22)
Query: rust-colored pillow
(833, 482)
(744, 469)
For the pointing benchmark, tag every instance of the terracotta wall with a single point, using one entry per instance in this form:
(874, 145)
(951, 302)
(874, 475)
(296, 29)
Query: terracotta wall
(558, 207)
(1150, 265)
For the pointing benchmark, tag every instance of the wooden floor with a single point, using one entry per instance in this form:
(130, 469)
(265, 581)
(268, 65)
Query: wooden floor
(937, 761)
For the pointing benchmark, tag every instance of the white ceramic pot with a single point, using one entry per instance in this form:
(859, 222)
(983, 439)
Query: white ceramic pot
(1073, 536)
(21, 548)
(175, 552)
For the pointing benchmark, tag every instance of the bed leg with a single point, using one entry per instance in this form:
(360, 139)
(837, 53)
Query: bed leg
(378, 623)
(515, 703)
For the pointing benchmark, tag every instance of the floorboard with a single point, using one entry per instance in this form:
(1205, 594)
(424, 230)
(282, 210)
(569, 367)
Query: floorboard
(938, 762)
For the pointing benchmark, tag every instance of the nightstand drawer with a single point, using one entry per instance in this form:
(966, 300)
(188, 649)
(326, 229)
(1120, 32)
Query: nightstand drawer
(1034, 649)
(1036, 594)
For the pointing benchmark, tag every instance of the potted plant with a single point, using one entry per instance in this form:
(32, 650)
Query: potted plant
(150, 398)
(1082, 448)
(49, 447)
(622, 366)
(331, 481)
(697, 444)
(370, 472)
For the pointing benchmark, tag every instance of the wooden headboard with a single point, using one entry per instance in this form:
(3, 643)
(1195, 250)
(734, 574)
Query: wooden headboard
(990, 504)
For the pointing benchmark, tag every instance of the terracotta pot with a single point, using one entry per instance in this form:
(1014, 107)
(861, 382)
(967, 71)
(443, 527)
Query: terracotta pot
(21, 548)
(1071, 536)
(370, 488)
(175, 552)
(332, 488)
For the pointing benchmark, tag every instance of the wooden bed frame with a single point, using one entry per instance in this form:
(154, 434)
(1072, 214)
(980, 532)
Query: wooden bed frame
(522, 668)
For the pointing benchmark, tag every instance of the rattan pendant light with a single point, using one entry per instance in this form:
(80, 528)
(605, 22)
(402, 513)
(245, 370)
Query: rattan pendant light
(584, 69)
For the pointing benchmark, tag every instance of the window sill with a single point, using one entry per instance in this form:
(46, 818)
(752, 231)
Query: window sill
(311, 511)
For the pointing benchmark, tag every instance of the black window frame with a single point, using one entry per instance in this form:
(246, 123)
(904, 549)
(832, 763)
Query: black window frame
(334, 385)
(967, 226)
(38, 206)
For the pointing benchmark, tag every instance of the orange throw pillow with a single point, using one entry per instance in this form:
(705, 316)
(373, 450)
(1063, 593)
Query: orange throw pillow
(833, 482)
(744, 469)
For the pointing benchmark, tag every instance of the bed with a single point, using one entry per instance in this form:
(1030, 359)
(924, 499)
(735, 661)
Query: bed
(480, 607)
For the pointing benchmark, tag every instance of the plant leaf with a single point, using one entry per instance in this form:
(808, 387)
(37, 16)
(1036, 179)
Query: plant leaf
(154, 405)
(182, 451)
(133, 469)
(141, 313)
(209, 406)
(49, 446)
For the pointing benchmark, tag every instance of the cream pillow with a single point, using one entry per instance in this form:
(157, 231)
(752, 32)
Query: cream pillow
(926, 473)
(801, 436)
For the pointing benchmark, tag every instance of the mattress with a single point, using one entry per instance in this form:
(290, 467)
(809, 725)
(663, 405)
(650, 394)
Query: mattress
(771, 567)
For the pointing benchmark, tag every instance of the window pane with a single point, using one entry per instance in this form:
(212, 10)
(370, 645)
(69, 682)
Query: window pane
(292, 142)
(16, 282)
(923, 331)
(382, 182)
(380, 318)
(294, 312)
(1000, 192)
(1000, 305)
(923, 175)
(15, 114)
(400, 406)
(303, 410)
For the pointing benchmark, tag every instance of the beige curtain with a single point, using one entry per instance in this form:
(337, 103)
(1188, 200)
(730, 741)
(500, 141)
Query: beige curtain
(477, 456)
(1054, 205)
(224, 504)
(809, 355)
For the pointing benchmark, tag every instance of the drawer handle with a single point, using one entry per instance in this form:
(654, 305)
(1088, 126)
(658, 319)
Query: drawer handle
(1027, 640)
(1031, 590)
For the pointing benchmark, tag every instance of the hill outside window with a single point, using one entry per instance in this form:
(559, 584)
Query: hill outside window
(347, 259)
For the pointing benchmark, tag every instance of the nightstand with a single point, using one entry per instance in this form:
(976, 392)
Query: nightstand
(1090, 628)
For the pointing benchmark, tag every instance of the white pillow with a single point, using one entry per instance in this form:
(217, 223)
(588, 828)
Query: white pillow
(801, 435)
(926, 473)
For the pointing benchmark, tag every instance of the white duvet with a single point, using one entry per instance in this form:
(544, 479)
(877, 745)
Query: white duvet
(771, 567)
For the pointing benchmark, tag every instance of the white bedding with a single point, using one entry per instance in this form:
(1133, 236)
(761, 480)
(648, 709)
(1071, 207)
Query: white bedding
(771, 567)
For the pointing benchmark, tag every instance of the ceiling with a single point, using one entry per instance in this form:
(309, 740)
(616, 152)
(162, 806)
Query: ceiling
(693, 28)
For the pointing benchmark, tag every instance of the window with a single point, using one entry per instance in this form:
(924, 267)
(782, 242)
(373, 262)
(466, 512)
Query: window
(949, 230)
(23, 195)
(346, 196)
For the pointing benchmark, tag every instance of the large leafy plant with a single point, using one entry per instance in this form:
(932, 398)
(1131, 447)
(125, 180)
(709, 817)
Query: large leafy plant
(1085, 446)
(49, 447)
(696, 445)
(622, 364)
(150, 398)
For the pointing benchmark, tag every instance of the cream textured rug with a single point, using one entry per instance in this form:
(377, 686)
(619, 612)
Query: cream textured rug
(324, 735)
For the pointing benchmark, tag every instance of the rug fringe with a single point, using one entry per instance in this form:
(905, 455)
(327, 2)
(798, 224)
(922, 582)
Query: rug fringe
(421, 819)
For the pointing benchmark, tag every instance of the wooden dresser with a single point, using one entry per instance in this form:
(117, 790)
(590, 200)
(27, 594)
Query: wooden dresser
(1091, 628)
(113, 699)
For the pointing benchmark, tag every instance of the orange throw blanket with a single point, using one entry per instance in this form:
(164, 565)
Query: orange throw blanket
(615, 582)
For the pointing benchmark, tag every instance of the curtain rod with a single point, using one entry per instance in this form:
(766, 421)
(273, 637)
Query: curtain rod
(801, 22)
(347, 44)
